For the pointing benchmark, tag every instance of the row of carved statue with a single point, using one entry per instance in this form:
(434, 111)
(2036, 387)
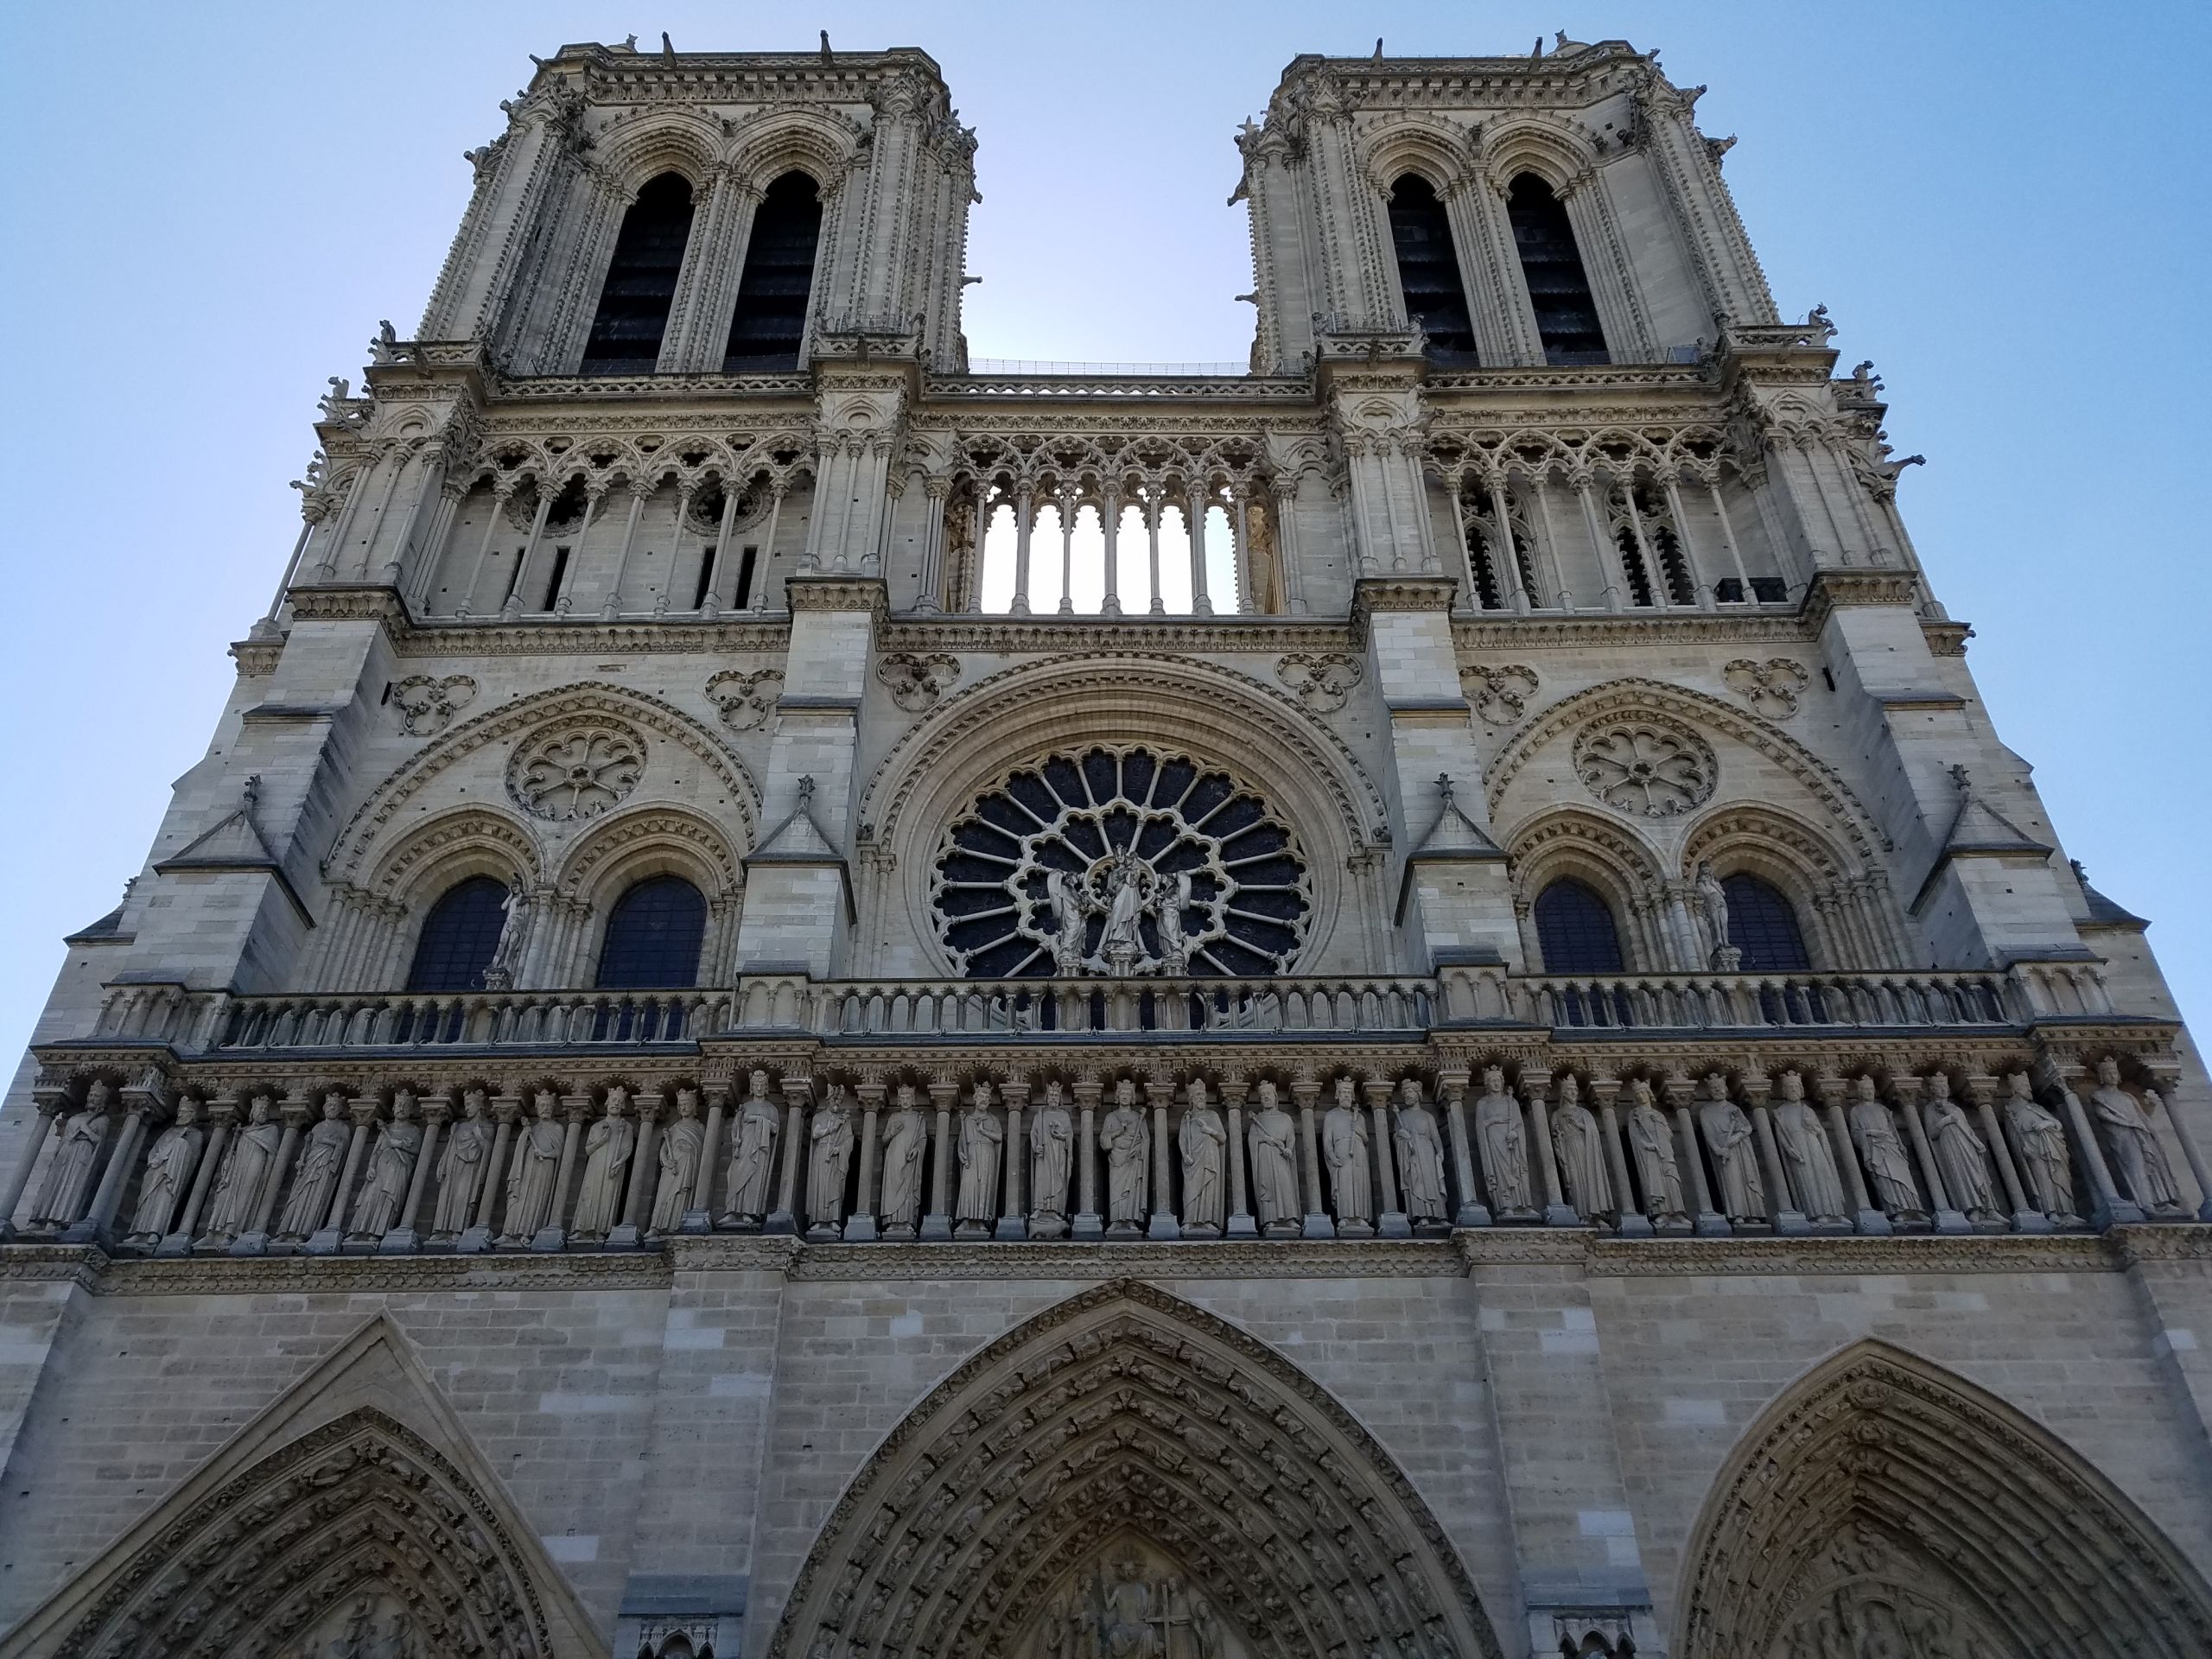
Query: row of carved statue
(1133, 1158)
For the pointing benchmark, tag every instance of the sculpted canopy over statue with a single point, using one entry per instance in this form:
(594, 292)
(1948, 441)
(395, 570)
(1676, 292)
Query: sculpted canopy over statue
(1420, 1156)
(2138, 1159)
(1581, 1153)
(1127, 1143)
(1203, 1141)
(1273, 1139)
(168, 1175)
(1651, 1143)
(905, 1135)
(1504, 1143)
(2045, 1157)
(1810, 1157)
(68, 1182)
(752, 1156)
(462, 1168)
(392, 1169)
(1051, 1140)
(314, 1177)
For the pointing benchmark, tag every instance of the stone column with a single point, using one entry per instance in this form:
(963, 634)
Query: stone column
(1785, 1214)
(783, 1217)
(1021, 509)
(2168, 1077)
(700, 1217)
(1629, 1223)
(932, 580)
(862, 1227)
(1087, 1222)
(221, 1116)
(1160, 1091)
(937, 1223)
(1390, 1221)
(1065, 503)
(1469, 1210)
(1534, 1085)
(49, 1108)
(1195, 515)
(1709, 1223)
(1948, 1218)
(1305, 1090)
(2107, 1208)
(1013, 1217)
(402, 1240)
(1242, 1223)
(505, 1109)
(1240, 532)
(1157, 606)
(326, 1240)
(1981, 1089)
(1110, 520)
(638, 1200)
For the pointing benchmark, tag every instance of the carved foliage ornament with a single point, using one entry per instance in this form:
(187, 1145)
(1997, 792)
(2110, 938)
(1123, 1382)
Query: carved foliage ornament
(577, 771)
(1321, 680)
(745, 699)
(1647, 768)
(917, 681)
(426, 703)
(1499, 694)
(1770, 687)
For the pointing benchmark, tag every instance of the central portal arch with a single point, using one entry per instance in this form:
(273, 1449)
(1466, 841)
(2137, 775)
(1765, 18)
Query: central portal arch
(1126, 1436)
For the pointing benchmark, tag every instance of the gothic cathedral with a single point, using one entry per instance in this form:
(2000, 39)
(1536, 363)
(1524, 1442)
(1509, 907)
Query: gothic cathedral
(822, 1000)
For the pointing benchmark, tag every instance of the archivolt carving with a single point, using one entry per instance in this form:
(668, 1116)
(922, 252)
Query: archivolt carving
(631, 153)
(772, 141)
(1125, 1411)
(587, 700)
(697, 844)
(1881, 1484)
(1784, 840)
(470, 833)
(1583, 844)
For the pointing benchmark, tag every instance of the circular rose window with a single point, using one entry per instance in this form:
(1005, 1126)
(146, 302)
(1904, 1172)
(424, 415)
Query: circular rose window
(1115, 862)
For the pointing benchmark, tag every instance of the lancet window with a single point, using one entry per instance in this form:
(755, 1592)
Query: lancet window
(1762, 925)
(767, 330)
(459, 937)
(1575, 930)
(1428, 271)
(1655, 563)
(633, 306)
(1501, 562)
(653, 936)
(1559, 289)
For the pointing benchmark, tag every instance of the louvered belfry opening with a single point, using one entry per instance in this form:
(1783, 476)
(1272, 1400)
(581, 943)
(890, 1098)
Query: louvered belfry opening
(633, 306)
(1428, 271)
(770, 322)
(1559, 289)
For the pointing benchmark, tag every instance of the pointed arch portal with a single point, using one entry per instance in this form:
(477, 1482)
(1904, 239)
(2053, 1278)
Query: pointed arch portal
(1127, 1425)
(1885, 1506)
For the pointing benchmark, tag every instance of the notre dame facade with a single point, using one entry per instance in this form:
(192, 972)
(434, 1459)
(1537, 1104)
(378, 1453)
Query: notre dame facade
(820, 999)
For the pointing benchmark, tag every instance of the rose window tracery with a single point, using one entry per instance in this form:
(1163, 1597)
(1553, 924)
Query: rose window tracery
(577, 772)
(1115, 862)
(1646, 768)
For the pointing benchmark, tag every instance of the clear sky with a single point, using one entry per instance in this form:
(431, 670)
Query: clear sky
(208, 207)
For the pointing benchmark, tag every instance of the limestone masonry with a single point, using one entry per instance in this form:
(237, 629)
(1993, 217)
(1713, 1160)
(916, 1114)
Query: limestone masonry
(822, 1001)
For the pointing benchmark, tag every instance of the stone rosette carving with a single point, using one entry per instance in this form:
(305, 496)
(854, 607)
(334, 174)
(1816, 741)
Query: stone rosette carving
(1499, 693)
(426, 703)
(1771, 688)
(917, 680)
(577, 771)
(745, 699)
(1646, 767)
(1321, 680)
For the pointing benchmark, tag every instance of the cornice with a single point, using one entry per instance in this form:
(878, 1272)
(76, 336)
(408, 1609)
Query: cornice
(565, 637)
(1754, 625)
(1137, 631)
(1910, 1253)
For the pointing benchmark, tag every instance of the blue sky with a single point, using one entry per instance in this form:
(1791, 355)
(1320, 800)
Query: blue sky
(209, 207)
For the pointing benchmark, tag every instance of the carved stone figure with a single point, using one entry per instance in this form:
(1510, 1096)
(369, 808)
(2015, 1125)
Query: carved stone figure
(1728, 1137)
(391, 1167)
(168, 1175)
(1203, 1141)
(1889, 1170)
(752, 1156)
(905, 1135)
(462, 1168)
(1343, 1149)
(830, 1155)
(246, 1172)
(1420, 1156)
(1581, 1153)
(1127, 1143)
(1505, 1143)
(1712, 901)
(514, 934)
(1651, 1143)
(1128, 885)
(68, 1184)
(1961, 1159)
(1174, 944)
(2138, 1159)
(1052, 1143)
(1071, 906)
(607, 1147)
(1126, 1618)
(1272, 1140)
(314, 1176)
(532, 1172)
(982, 1142)
(1808, 1155)
(2044, 1156)
(681, 1143)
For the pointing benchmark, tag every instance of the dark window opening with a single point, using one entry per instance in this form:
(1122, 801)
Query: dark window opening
(1769, 590)
(625, 335)
(553, 584)
(459, 937)
(706, 577)
(1575, 930)
(1428, 271)
(1487, 595)
(1639, 578)
(514, 576)
(745, 563)
(770, 322)
(653, 936)
(1762, 925)
(1559, 289)
(1680, 588)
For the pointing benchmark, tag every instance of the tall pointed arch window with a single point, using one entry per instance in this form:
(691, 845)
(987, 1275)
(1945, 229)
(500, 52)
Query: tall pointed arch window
(770, 321)
(633, 306)
(1762, 925)
(653, 936)
(1428, 271)
(459, 937)
(1575, 930)
(1559, 289)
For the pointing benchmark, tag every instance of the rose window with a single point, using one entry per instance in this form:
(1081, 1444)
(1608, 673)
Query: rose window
(577, 772)
(1115, 862)
(1646, 769)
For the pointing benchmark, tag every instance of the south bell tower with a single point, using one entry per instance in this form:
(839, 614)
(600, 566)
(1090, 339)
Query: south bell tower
(818, 1001)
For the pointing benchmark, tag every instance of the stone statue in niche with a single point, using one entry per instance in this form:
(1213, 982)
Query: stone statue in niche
(752, 1156)
(514, 934)
(1960, 1157)
(391, 1169)
(1728, 1137)
(830, 1155)
(2043, 1155)
(983, 1141)
(1874, 1132)
(462, 1168)
(2138, 1159)
(68, 1184)
(1272, 1140)
(1127, 1141)
(1174, 942)
(1505, 1143)
(1651, 1143)
(1203, 1141)
(1807, 1156)
(1581, 1154)
(1343, 1149)
(606, 1161)
(246, 1172)
(1052, 1143)
(1420, 1158)
(1712, 904)
(905, 1135)
(532, 1172)
(314, 1177)
(168, 1175)
(681, 1143)
(1071, 904)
